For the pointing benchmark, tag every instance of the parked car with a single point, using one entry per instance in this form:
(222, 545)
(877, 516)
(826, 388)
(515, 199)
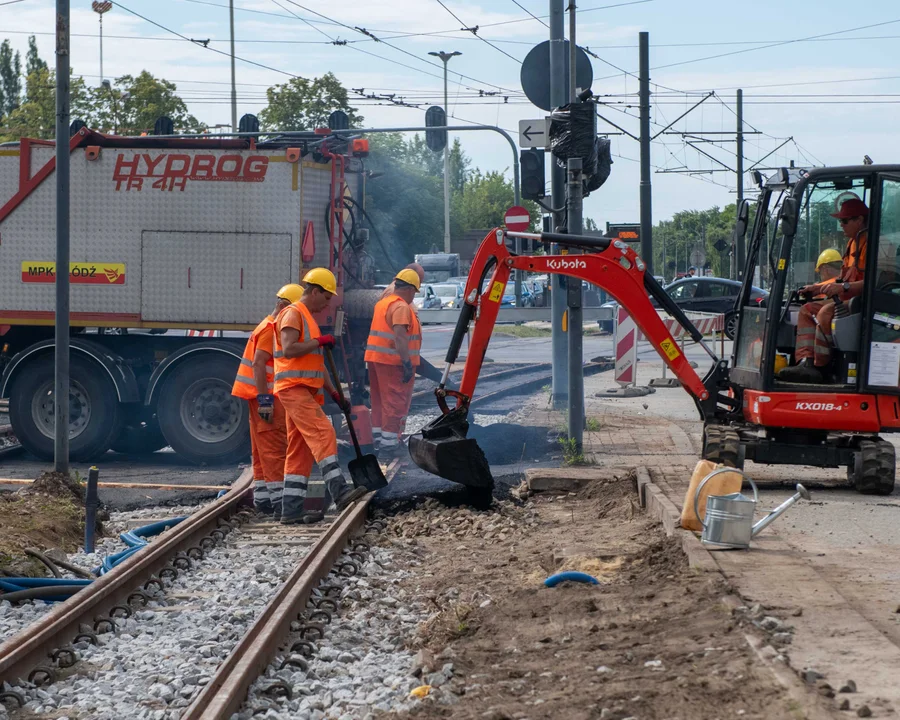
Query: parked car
(426, 299)
(703, 294)
(450, 294)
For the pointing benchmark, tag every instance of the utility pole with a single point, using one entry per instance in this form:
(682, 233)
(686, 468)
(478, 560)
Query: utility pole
(646, 189)
(740, 250)
(234, 122)
(560, 382)
(445, 58)
(575, 208)
(61, 331)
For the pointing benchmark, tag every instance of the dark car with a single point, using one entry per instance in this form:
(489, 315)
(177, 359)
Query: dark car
(705, 294)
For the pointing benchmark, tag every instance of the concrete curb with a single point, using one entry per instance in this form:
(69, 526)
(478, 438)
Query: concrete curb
(657, 505)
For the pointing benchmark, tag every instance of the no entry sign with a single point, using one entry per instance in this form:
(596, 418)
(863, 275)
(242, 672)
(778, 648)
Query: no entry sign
(517, 219)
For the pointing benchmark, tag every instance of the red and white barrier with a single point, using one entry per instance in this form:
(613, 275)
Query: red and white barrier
(203, 333)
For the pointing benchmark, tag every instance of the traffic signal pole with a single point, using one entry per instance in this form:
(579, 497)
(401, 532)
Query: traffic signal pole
(558, 91)
(646, 188)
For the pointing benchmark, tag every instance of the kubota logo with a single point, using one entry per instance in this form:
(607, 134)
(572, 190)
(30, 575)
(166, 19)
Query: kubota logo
(566, 264)
(827, 407)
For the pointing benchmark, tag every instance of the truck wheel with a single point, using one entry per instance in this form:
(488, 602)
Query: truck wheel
(874, 468)
(139, 438)
(93, 409)
(198, 415)
(722, 445)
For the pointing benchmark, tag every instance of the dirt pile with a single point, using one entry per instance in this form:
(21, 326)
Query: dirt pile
(652, 640)
(49, 513)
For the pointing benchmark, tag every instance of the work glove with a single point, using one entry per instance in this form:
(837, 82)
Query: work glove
(342, 403)
(266, 406)
(325, 341)
(407, 372)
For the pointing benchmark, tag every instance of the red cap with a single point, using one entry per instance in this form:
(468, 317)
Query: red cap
(850, 209)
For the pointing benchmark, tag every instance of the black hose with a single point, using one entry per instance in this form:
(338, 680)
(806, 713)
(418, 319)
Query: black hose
(40, 593)
(75, 570)
(374, 232)
(38, 555)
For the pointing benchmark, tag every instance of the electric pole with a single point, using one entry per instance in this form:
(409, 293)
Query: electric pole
(740, 250)
(646, 188)
(234, 122)
(560, 382)
(445, 58)
(61, 330)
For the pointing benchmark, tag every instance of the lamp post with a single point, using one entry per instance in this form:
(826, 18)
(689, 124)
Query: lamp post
(445, 58)
(101, 7)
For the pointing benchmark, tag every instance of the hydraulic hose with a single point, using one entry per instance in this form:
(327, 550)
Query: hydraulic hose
(53, 589)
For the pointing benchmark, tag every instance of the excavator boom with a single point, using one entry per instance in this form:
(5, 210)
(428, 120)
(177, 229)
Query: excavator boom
(442, 447)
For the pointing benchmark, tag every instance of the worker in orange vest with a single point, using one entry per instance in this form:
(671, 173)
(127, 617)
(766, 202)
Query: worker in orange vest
(268, 431)
(300, 382)
(392, 355)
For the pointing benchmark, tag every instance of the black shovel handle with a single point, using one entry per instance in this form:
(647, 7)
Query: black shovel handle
(340, 391)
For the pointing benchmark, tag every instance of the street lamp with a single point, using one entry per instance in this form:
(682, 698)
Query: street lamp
(445, 58)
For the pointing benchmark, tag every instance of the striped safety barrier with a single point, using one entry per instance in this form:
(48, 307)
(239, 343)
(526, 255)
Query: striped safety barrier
(203, 333)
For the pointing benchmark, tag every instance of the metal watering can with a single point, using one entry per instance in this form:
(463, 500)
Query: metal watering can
(729, 518)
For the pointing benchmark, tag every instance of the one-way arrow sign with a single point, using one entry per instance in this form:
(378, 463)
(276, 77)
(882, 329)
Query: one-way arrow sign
(534, 133)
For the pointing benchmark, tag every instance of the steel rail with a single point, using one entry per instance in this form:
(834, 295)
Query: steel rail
(32, 646)
(227, 691)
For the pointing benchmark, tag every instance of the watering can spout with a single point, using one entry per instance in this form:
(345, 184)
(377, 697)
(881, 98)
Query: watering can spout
(802, 492)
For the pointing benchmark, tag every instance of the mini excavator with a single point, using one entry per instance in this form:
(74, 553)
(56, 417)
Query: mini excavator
(747, 411)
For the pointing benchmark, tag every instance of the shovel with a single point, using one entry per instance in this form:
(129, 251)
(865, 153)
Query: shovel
(365, 470)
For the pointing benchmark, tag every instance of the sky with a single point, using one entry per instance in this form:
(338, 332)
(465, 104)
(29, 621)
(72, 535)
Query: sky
(822, 73)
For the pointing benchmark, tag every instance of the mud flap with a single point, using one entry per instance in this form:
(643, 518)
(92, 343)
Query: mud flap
(443, 449)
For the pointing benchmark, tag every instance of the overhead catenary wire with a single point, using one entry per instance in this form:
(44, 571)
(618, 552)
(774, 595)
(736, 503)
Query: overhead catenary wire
(474, 30)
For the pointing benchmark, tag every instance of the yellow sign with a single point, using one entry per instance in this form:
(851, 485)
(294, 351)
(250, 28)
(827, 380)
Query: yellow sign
(80, 273)
(496, 292)
(670, 349)
(781, 264)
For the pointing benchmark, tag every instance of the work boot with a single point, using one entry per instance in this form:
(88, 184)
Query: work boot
(276, 494)
(349, 495)
(803, 372)
(306, 517)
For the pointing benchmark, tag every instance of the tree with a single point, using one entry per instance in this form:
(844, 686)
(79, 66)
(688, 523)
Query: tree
(590, 225)
(33, 61)
(485, 199)
(132, 105)
(10, 79)
(301, 104)
(36, 116)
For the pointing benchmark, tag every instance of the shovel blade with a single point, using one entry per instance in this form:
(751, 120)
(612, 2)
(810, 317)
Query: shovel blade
(454, 457)
(366, 472)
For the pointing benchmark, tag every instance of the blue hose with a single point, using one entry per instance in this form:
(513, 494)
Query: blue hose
(134, 540)
(570, 575)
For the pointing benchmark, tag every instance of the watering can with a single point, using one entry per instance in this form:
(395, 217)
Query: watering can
(728, 524)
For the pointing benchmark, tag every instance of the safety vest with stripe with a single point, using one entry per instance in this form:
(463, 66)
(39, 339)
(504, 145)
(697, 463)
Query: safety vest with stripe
(245, 383)
(381, 346)
(307, 370)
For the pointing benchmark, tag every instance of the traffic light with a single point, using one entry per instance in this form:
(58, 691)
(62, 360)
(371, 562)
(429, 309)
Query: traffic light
(435, 116)
(531, 167)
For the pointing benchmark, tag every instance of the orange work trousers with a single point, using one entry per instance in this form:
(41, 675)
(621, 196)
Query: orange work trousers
(391, 398)
(268, 441)
(310, 438)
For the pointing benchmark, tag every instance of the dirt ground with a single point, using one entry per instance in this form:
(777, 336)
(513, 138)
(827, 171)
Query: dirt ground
(652, 640)
(48, 514)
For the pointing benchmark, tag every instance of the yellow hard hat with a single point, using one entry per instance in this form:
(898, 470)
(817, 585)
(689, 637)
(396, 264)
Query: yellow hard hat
(290, 292)
(323, 278)
(828, 256)
(410, 277)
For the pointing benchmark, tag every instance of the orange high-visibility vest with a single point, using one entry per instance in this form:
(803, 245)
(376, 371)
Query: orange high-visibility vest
(381, 346)
(854, 265)
(245, 383)
(307, 370)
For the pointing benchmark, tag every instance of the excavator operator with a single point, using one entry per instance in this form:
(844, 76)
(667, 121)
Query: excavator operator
(300, 379)
(268, 431)
(814, 342)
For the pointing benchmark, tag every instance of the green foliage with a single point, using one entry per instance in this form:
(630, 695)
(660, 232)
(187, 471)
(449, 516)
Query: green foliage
(36, 116)
(131, 105)
(301, 104)
(590, 225)
(33, 61)
(484, 200)
(571, 454)
(10, 79)
(689, 230)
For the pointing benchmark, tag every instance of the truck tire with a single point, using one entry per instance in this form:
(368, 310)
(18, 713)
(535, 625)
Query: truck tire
(874, 468)
(94, 409)
(139, 438)
(198, 415)
(722, 445)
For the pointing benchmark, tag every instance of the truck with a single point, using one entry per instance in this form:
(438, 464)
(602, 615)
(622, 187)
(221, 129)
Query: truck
(439, 267)
(169, 235)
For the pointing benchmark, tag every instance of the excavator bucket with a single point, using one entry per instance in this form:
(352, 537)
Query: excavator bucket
(443, 449)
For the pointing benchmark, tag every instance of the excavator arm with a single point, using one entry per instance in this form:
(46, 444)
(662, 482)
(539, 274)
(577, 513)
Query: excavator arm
(442, 447)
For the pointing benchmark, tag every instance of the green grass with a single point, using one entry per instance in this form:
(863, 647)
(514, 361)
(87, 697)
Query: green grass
(522, 331)
(592, 424)
(571, 454)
